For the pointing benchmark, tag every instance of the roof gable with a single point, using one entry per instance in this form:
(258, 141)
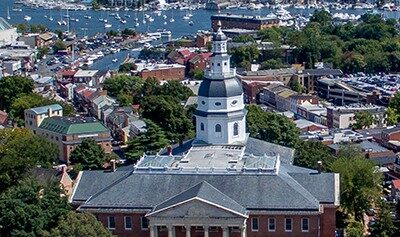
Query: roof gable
(203, 192)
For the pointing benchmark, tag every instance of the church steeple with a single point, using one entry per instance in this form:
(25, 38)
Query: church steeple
(220, 114)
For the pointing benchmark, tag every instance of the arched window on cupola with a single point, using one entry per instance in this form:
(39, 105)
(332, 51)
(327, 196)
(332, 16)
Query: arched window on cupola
(235, 129)
(218, 128)
(202, 126)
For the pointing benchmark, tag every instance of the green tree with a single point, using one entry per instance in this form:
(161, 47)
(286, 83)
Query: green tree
(128, 32)
(112, 33)
(79, 224)
(364, 119)
(196, 74)
(359, 181)
(308, 153)
(20, 150)
(42, 51)
(243, 38)
(384, 227)
(30, 209)
(296, 86)
(127, 67)
(394, 104)
(89, 154)
(271, 127)
(322, 17)
(13, 87)
(391, 116)
(272, 64)
(124, 86)
(59, 45)
(355, 229)
(176, 89)
(169, 114)
(148, 142)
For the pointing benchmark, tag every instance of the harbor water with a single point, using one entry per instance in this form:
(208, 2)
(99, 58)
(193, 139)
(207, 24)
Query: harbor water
(180, 27)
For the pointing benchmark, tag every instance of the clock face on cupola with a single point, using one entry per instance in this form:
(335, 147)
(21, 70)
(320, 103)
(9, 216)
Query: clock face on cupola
(220, 114)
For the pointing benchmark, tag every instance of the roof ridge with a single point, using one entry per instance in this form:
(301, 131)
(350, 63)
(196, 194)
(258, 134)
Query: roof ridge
(298, 187)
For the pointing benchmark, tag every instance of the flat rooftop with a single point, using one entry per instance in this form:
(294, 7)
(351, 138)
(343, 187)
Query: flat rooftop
(244, 17)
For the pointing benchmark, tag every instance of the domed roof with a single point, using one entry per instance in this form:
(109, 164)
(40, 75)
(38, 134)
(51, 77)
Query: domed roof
(219, 36)
(220, 88)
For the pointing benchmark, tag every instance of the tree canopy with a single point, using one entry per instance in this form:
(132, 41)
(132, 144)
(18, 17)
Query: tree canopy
(359, 181)
(271, 127)
(148, 142)
(364, 119)
(79, 224)
(20, 150)
(308, 153)
(89, 155)
(30, 209)
(13, 87)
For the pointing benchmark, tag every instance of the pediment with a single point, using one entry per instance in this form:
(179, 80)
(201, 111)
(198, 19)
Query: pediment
(196, 208)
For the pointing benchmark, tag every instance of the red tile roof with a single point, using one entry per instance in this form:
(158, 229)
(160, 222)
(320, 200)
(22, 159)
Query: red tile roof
(68, 73)
(185, 52)
(396, 183)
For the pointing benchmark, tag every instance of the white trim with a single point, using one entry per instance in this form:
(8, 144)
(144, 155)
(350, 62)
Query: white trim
(291, 224)
(108, 223)
(272, 230)
(258, 224)
(308, 224)
(141, 223)
(76, 184)
(126, 222)
(199, 199)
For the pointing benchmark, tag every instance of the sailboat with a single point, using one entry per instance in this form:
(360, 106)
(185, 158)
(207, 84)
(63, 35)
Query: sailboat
(172, 17)
(27, 18)
(8, 13)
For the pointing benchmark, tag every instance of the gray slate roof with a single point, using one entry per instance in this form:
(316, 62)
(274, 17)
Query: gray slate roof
(205, 191)
(259, 148)
(254, 192)
(220, 88)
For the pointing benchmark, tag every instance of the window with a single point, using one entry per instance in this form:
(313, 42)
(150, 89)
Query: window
(235, 129)
(225, 63)
(304, 224)
(217, 103)
(218, 128)
(128, 222)
(218, 64)
(254, 224)
(202, 126)
(234, 102)
(144, 223)
(111, 222)
(288, 224)
(203, 102)
(271, 224)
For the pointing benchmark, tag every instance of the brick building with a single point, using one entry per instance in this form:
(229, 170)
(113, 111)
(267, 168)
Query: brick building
(221, 183)
(162, 72)
(66, 132)
(229, 21)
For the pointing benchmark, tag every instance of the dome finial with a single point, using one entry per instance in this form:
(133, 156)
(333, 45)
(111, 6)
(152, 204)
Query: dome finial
(219, 24)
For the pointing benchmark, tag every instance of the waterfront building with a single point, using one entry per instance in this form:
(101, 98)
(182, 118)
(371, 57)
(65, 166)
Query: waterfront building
(221, 183)
(230, 21)
(160, 71)
(66, 132)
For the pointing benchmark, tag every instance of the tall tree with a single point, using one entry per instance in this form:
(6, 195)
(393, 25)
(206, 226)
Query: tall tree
(271, 127)
(170, 115)
(89, 154)
(364, 119)
(308, 153)
(148, 142)
(391, 117)
(20, 150)
(13, 87)
(384, 227)
(359, 181)
(29, 209)
(79, 224)
(176, 89)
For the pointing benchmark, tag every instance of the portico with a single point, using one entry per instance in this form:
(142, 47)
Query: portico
(201, 208)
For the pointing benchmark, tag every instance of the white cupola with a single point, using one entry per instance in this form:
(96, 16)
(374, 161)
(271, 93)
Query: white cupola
(220, 114)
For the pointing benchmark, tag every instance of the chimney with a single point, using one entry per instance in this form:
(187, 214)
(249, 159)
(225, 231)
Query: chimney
(62, 169)
(113, 168)
(319, 166)
(169, 148)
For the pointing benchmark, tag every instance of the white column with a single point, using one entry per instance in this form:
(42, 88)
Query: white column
(171, 231)
(187, 227)
(225, 231)
(206, 229)
(153, 231)
(243, 231)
